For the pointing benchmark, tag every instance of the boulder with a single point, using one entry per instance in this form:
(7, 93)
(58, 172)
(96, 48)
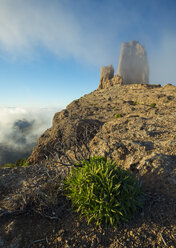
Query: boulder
(133, 64)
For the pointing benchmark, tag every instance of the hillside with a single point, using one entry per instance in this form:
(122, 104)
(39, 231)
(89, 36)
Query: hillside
(134, 125)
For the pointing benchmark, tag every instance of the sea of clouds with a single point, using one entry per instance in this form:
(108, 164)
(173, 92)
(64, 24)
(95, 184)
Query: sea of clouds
(20, 129)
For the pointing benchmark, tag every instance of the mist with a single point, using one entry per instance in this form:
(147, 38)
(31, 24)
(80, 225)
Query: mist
(20, 129)
(162, 60)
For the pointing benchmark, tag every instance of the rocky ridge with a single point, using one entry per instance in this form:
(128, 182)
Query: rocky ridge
(134, 125)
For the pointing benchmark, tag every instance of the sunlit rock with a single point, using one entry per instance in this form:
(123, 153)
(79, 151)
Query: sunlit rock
(107, 73)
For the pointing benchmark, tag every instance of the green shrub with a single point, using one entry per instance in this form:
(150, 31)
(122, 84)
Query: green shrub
(103, 192)
(153, 105)
(118, 115)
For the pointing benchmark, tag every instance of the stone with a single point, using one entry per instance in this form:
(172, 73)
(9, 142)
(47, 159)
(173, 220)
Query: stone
(107, 72)
(133, 63)
(111, 82)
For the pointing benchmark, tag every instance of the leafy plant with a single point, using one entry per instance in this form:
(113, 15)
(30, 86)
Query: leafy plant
(103, 192)
(153, 105)
(118, 115)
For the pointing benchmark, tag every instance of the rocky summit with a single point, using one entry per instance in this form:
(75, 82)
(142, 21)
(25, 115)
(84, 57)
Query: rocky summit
(134, 125)
(133, 63)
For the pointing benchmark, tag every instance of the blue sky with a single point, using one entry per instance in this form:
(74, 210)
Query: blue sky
(51, 51)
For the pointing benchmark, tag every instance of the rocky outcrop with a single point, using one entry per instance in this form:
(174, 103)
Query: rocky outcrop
(133, 64)
(132, 69)
(132, 124)
(116, 80)
(135, 125)
(107, 73)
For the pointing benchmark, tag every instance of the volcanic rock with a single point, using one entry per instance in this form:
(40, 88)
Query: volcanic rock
(133, 64)
(111, 82)
(133, 124)
(107, 72)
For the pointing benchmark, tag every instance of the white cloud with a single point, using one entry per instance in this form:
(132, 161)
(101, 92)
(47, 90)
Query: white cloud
(27, 25)
(20, 127)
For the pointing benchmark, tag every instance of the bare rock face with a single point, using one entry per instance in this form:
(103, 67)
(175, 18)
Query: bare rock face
(111, 82)
(107, 72)
(133, 64)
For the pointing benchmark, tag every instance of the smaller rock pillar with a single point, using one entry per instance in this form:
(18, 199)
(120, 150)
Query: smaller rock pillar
(107, 72)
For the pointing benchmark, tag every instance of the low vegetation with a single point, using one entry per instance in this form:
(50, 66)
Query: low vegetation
(118, 116)
(103, 192)
(18, 163)
(153, 105)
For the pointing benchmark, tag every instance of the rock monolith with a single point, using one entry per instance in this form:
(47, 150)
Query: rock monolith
(107, 73)
(133, 64)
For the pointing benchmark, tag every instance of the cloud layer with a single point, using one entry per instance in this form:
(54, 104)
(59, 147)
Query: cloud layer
(20, 129)
(27, 25)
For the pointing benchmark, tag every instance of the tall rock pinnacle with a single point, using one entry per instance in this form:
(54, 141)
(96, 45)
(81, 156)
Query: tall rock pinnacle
(133, 64)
